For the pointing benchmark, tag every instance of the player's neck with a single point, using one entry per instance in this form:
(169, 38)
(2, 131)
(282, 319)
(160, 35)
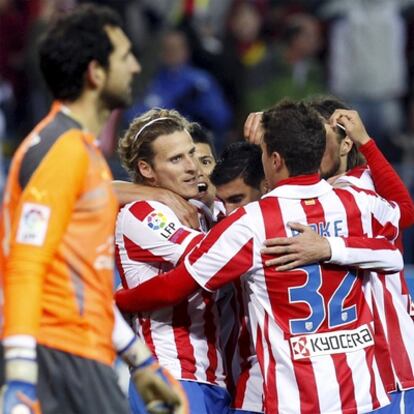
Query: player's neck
(342, 165)
(89, 113)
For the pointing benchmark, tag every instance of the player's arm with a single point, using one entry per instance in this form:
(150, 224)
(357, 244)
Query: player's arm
(155, 385)
(164, 290)
(387, 182)
(129, 192)
(201, 268)
(376, 253)
(42, 216)
(166, 240)
(151, 233)
(309, 247)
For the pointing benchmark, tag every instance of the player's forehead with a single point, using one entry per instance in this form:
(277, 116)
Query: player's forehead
(174, 144)
(203, 150)
(331, 134)
(120, 42)
(232, 188)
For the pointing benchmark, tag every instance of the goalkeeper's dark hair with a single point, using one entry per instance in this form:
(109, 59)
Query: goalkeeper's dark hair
(71, 43)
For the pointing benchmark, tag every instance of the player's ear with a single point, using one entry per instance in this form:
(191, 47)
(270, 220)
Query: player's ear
(277, 161)
(345, 146)
(146, 170)
(95, 74)
(264, 186)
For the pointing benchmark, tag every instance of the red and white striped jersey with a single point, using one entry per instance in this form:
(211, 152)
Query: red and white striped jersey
(394, 304)
(359, 177)
(244, 378)
(313, 328)
(151, 240)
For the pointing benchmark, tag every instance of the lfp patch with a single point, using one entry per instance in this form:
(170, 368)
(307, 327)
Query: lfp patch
(157, 220)
(34, 221)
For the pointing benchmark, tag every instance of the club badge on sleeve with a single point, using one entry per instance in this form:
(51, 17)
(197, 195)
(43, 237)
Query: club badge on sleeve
(33, 224)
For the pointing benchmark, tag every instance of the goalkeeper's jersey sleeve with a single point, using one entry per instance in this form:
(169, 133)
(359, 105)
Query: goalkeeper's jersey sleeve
(57, 240)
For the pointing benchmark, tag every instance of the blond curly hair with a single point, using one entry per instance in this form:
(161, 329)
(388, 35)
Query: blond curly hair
(136, 143)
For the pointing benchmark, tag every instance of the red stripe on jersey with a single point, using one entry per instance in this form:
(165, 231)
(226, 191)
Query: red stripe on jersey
(369, 356)
(364, 190)
(241, 388)
(382, 352)
(141, 209)
(210, 334)
(357, 171)
(121, 271)
(259, 353)
(244, 260)
(212, 237)
(146, 331)
(245, 351)
(313, 211)
(374, 244)
(272, 217)
(137, 253)
(231, 344)
(315, 214)
(308, 390)
(271, 398)
(353, 214)
(399, 243)
(193, 243)
(307, 387)
(404, 291)
(397, 347)
(185, 350)
(388, 229)
(346, 384)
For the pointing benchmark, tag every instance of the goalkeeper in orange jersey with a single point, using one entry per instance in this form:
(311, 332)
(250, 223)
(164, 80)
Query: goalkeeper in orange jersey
(56, 233)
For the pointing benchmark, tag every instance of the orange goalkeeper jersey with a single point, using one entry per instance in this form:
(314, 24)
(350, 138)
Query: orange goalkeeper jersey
(56, 233)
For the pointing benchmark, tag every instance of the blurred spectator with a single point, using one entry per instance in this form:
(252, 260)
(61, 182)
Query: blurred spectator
(6, 99)
(14, 17)
(209, 52)
(273, 71)
(179, 85)
(38, 96)
(367, 62)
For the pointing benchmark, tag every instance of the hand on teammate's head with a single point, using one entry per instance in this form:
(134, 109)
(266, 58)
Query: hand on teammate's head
(253, 131)
(354, 127)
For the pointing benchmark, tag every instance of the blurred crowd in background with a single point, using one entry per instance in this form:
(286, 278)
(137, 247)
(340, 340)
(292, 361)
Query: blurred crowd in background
(217, 60)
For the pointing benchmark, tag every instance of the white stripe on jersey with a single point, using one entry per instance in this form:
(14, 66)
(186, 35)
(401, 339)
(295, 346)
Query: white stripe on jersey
(325, 375)
(286, 383)
(163, 339)
(362, 180)
(357, 361)
(241, 357)
(234, 246)
(151, 240)
(391, 295)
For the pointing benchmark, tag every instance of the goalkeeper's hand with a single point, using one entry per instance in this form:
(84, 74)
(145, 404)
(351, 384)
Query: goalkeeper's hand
(18, 395)
(162, 394)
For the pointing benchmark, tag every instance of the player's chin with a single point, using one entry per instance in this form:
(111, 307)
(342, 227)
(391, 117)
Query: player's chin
(188, 191)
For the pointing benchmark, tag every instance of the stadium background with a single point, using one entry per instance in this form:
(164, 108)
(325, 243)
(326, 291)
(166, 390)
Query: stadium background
(233, 57)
